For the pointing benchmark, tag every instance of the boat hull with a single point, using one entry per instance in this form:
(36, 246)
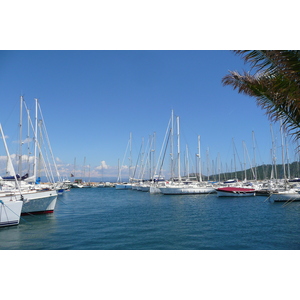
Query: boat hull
(10, 212)
(284, 197)
(235, 192)
(186, 190)
(39, 203)
(123, 187)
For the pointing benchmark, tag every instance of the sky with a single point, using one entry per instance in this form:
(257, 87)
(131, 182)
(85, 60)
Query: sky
(103, 72)
(92, 100)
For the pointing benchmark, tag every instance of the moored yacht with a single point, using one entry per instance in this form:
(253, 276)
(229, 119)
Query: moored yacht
(123, 186)
(186, 188)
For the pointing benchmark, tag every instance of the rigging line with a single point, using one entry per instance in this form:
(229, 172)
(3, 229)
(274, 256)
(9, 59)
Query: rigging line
(5, 206)
(162, 147)
(209, 193)
(268, 197)
(288, 202)
(162, 161)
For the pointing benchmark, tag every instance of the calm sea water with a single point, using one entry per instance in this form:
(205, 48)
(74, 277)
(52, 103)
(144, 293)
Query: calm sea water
(105, 218)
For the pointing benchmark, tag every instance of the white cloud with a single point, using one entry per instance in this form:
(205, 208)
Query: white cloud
(103, 166)
(27, 140)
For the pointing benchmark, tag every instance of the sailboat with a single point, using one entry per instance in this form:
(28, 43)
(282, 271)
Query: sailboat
(10, 203)
(286, 192)
(37, 198)
(235, 188)
(180, 187)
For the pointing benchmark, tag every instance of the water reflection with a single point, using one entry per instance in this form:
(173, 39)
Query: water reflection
(29, 234)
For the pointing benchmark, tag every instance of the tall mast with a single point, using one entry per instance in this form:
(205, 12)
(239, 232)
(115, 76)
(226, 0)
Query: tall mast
(153, 156)
(172, 145)
(273, 153)
(282, 149)
(254, 153)
(130, 156)
(219, 166)
(199, 160)
(208, 163)
(287, 156)
(28, 139)
(245, 161)
(20, 135)
(35, 137)
(187, 162)
(178, 149)
(234, 160)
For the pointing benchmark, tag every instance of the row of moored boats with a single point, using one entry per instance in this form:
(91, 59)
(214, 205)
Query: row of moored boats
(275, 190)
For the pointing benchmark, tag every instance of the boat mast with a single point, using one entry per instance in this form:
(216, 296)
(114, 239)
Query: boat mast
(287, 155)
(178, 149)
(172, 145)
(130, 156)
(254, 154)
(28, 139)
(282, 150)
(273, 153)
(35, 139)
(219, 166)
(187, 165)
(20, 135)
(234, 159)
(153, 155)
(245, 161)
(208, 163)
(199, 160)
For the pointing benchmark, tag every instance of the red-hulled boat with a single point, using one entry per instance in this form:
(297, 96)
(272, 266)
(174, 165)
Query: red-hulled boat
(235, 192)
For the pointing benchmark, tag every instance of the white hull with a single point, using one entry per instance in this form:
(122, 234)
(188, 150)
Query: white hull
(10, 212)
(39, 202)
(284, 197)
(144, 188)
(186, 190)
(123, 186)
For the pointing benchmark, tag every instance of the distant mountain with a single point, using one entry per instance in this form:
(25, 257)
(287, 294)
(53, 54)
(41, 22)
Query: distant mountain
(263, 172)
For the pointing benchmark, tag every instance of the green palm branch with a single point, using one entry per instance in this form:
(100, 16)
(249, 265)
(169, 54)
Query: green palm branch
(274, 80)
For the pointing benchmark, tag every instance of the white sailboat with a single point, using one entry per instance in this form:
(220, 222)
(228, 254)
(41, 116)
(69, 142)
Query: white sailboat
(37, 198)
(185, 187)
(285, 192)
(285, 195)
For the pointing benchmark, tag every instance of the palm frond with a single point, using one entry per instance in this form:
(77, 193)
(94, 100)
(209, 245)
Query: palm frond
(285, 62)
(274, 93)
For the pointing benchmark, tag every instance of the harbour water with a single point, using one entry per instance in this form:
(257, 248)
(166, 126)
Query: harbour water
(105, 218)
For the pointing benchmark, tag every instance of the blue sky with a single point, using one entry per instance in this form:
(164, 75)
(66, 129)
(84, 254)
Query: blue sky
(92, 100)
